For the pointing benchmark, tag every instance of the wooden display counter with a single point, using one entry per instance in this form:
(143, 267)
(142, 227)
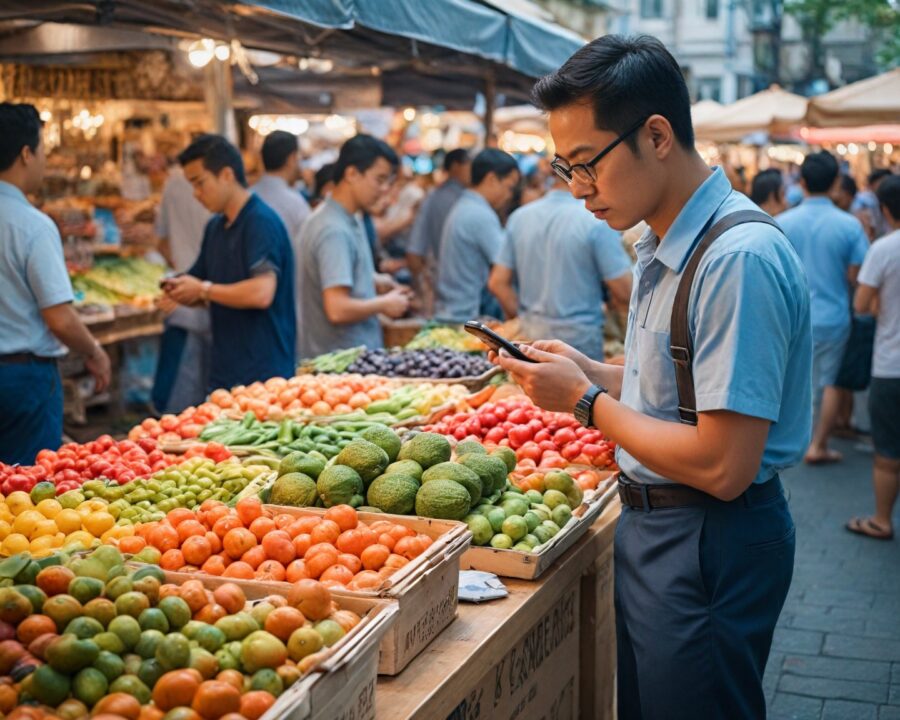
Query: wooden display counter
(546, 651)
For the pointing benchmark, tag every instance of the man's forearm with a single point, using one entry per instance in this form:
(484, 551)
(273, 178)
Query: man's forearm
(508, 299)
(68, 328)
(609, 376)
(251, 294)
(351, 310)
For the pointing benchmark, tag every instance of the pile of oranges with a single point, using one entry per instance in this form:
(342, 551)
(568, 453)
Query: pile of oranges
(253, 542)
(277, 398)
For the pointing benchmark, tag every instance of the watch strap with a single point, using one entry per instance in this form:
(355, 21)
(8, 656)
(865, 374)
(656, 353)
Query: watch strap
(584, 408)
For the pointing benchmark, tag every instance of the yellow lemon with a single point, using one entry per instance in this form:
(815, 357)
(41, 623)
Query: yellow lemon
(19, 502)
(97, 504)
(43, 528)
(59, 539)
(80, 536)
(5, 529)
(49, 508)
(84, 509)
(5, 513)
(42, 553)
(14, 543)
(68, 520)
(42, 543)
(27, 521)
(98, 523)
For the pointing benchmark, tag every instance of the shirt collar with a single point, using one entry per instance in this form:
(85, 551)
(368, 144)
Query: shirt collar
(275, 180)
(11, 191)
(479, 198)
(342, 211)
(677, 243)
(817, 200)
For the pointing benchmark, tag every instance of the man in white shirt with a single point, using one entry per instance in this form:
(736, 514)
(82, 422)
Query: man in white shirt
(879, 294)
(275, 188)
(182, 371)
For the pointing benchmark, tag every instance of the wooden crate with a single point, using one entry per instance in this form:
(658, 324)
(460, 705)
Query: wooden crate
(425, 589)
(398, 333)
(528, 566)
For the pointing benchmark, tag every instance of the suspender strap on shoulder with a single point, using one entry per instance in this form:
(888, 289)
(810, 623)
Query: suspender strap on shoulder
(681, 344)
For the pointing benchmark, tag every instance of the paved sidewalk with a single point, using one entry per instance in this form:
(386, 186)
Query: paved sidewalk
(836, 652)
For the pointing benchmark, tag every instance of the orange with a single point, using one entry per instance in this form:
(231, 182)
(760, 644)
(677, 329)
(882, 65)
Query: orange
(215, 698)
(344, 515)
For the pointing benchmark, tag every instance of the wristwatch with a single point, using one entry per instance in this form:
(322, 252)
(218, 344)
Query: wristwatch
(204, 290)
(584, 408)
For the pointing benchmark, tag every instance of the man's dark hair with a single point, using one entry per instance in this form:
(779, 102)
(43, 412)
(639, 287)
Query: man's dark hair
(888, 194)
(361, 152)
(217, 153)
(324, 175)
(277, 148)
(848, 185)
(877, 175)
(819, 171)
(766, 184)
(492, 160)
(625, 80)
(20, 126)
(459, 156)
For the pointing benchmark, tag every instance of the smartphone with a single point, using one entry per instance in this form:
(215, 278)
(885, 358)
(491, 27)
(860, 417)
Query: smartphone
(494, 341)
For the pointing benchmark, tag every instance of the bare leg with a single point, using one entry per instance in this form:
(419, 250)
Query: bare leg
(818, 449)
(842, 425)
(886, 479)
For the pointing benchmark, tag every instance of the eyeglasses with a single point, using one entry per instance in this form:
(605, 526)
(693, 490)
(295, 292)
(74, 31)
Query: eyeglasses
(585, 171)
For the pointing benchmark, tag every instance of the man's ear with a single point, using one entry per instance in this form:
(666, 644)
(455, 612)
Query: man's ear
(662, 137)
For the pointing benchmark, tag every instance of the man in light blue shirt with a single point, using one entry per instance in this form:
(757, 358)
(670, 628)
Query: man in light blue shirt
(425, 236)
(37, 320)
(552, 268)
(339, 292)
(704, 546)
(831, 244)
(472, 236)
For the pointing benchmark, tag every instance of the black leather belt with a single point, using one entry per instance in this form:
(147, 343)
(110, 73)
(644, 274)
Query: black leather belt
(25, 358)
(642, 496)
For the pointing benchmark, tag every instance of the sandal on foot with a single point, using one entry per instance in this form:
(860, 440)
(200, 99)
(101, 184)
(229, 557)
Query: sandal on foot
(828, 458)
(866, 526)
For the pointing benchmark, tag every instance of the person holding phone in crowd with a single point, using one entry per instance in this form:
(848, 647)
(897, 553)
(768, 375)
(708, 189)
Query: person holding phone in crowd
(712, 402)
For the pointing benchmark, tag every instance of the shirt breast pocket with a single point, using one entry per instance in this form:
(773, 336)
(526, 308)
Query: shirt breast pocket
(657, 373)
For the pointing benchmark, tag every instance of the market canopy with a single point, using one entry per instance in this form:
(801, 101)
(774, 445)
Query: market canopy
(772, 111)
(474, 46)
(704, 111)
(867, 102)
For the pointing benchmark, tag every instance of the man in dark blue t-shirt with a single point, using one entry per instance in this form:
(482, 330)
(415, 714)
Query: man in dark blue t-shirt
(245, 271)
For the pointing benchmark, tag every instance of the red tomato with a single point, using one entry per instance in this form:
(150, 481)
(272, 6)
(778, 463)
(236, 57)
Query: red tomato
(495, 434)
(564, 437)
(542, 435)
(518, 417)
(520, 435)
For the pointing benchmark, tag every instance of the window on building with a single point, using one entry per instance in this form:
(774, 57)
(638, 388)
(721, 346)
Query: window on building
(651, 8)
(709, 89)
(711, 8)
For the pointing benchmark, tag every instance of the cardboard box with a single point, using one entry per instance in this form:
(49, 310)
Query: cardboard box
(536, 677)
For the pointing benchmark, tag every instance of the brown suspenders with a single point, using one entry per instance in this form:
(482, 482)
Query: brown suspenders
(680, 343)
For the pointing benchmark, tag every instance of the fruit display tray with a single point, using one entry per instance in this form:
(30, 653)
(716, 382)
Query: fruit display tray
(528, 566)
(343, 683)
(425, 589)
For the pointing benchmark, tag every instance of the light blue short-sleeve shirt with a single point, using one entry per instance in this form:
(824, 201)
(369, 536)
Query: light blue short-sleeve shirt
(828, 241)
(334, 252)
(33, 276)
(425, 236)
(470, 244)
(749, 318)
(560, 255)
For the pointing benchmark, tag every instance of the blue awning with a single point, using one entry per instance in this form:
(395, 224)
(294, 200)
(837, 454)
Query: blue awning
(527, 45)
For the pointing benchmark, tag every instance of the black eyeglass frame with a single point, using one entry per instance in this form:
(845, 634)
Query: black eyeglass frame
(567, 172)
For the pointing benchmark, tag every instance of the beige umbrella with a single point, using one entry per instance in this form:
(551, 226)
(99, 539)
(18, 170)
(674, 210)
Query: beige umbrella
(705, 111)
(867, 102)
(772, 111)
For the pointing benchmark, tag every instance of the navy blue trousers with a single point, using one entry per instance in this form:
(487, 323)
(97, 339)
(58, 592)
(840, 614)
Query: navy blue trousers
(698, 591)
(31, 410)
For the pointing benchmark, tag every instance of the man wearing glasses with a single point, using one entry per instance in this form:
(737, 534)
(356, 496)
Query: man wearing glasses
(339, 289)
(704, 547)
